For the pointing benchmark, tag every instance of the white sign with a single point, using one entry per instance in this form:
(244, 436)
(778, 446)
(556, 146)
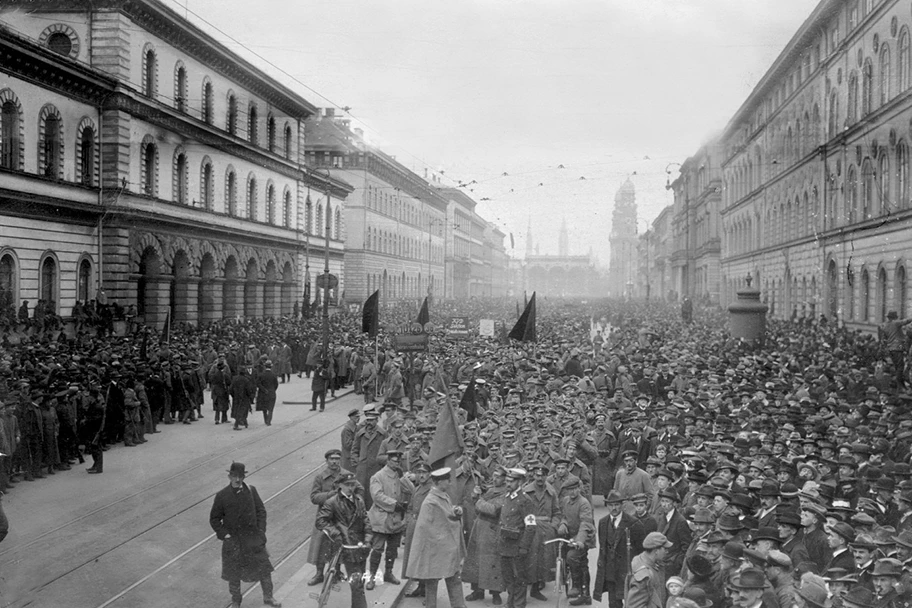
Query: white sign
(486, 327)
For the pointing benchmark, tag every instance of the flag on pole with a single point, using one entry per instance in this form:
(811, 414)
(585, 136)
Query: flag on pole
(424, 315)
(166, 329)
(524, 330)
(468, 400)
(447, 443)
(370, 315)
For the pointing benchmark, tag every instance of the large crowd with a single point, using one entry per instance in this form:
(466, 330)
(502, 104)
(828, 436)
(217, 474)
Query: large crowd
(733, 474)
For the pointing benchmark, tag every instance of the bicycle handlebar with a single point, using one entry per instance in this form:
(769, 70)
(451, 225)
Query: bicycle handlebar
(358, 546)
(559, 540)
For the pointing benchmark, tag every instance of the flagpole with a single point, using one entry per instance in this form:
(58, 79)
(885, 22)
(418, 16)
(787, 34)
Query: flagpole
(377, 363)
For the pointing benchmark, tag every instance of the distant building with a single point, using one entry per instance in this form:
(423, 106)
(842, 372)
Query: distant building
(622, 267)
(560, 275)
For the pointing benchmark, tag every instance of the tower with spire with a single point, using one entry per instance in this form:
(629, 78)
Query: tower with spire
(563, 242)
(529, 245)
(623, 240)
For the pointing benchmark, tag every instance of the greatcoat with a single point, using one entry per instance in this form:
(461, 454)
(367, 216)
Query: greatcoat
(240, 513)
(386, 490)
(437, 548)
(482, 564)
(324, 486)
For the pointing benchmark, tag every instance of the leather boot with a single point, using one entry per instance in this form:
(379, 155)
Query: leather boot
(388, 576)
(584, 598)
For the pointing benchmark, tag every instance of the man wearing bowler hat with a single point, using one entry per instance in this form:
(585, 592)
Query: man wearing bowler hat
(238, 517)
(614, 531)
(749, 584)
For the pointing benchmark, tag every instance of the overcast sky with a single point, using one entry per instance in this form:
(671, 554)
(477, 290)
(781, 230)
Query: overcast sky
(479, 88)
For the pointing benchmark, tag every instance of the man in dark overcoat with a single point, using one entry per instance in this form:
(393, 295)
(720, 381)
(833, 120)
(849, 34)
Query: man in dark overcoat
(267, 384)
(238, 517)
(243, 392)
(614, 552)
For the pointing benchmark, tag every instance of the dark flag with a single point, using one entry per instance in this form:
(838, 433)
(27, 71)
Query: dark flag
(423, 315)
(166, 330)
(526, 299)
(517, 310)
(524, 330)
(447, 443)
(468, 400)
(370, 315)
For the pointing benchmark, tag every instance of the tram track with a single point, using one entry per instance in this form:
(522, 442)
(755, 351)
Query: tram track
(32, 595)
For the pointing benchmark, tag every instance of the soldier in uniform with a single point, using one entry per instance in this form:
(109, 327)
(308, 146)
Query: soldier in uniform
(548, 516)
(390, 493)
(646, 582)
(516, 529)
(324, 485)
(632, 480)
(343, 518)
(365, 452)
(579, 526)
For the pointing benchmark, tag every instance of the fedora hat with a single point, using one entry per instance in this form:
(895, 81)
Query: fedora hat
(859, 596)
(237, 469)
(766, 533)
(749, 578)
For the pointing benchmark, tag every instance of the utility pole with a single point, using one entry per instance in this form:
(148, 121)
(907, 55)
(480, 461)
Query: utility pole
(326, 273)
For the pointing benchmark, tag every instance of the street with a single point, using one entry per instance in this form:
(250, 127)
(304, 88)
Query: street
(139, 535)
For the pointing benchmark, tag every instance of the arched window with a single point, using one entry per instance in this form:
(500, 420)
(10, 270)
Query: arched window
(180, 178)
(251, 197)
(338, 223)
(881, 313)
(318, 228)
(287, 141)
(270, 204)
(867, 189)
(852, 105)
(833, 125)
(9, 135)
(9, 283)
(84, 281)
(867, 88)
(904, 61)
(85, 156)
(882, 205)
(271, 133)
(51, 151)
(286, 211)
(149, 161)
(902, 174)
(865, 295)
(206, 186)
(851, 195)
(231, 193)
(206, 110)
(149, 72)
(884, 74)
(48, 285)
(180, 87)
(308, 217)
(252, 124)
(231, 123)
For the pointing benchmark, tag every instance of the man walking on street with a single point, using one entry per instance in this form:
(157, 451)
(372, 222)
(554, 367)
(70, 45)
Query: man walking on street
(238, 517)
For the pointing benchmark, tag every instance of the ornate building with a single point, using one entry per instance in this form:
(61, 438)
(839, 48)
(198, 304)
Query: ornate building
(622, 267)
(561, 275)
(145, 163)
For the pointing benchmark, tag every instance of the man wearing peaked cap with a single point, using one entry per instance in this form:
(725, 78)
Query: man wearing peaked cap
(389, 490)
(516, 529)
(631, 480)
(325, 484)
(647, 581)
(546, 508)
(839, 536)
(579, 526)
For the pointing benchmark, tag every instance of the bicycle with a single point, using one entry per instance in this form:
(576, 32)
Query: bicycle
(561, 569)
(331, 575)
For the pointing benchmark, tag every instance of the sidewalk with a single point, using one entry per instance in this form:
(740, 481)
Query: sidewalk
(295, 593)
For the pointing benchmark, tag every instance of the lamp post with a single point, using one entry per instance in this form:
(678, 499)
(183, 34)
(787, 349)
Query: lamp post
(326, 271)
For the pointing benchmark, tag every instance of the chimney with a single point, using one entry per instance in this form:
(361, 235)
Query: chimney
(330, 112)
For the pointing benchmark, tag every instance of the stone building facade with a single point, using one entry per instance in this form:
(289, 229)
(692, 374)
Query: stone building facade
(147, 164)
(622, 266)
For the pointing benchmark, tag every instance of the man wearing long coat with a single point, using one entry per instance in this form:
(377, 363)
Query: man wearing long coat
(548, 516)
(220, 382)
(603, 467)
(267, 384)
(614, 553)
(438, 547)
(365, 451)
(243, 392)
(390, 493)
(238, 517)
(482, 565)
(324, 486)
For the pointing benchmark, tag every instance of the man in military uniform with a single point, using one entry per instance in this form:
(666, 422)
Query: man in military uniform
(516, 529)
(632, 480)
(646, 583)
(365, 451)
(324, 486)
(579, 526)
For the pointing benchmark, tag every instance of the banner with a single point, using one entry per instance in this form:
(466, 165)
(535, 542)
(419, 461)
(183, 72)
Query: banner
(486, 328)
(458, 327)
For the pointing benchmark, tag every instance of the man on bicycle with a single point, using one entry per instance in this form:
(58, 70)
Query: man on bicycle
(343, 518)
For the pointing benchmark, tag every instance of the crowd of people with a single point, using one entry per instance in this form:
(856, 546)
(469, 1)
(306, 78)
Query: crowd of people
(734, 475)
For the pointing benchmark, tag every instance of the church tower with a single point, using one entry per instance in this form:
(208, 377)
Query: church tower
(529, 244)
(623, 240)
(563, 241)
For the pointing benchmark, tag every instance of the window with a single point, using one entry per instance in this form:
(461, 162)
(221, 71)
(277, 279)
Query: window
(150, 67)
(867, 88)
(59, 42)
(251, 198)
(338, 223)
(286, 211)
(206, 193)
(86, 156)
(207, 102)
(84, 281)
(884, 75)
(902, 175)
(252, 120)
(318, 228)
(232, 114)
(8, 282)
(149, 166)
(901, 289)
(865, 295)
(287, 141)
(867, 190)
(231, 193)
(9, 135)
(852, 109)
(180, 194)
(51, 159)
(308, 217)
(851, 195)
(180, 88)
(853, 16)
(271, 133)
(904, 62)
(883, 183)
(48, 288)
(833, 126)
(270, 204)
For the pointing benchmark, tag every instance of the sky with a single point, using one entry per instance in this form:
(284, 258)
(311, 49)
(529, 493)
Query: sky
(543, 107)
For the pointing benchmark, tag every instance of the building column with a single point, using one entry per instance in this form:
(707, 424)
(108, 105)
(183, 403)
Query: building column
(271, 303)
(186, 300)
(157, 298)
(232, 304)
(210, 300)
(253, 299)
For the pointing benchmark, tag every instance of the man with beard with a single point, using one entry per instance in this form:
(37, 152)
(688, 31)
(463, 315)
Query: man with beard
(324, 486)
